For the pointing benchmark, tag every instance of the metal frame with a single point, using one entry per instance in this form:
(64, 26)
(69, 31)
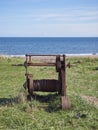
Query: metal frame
(49, 85)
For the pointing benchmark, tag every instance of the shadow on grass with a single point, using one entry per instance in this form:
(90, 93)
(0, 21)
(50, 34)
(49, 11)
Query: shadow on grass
(96, 69)
(49, 102)
(52, 101)
(8, 101)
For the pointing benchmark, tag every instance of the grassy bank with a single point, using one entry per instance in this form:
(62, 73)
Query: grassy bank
(43, 112)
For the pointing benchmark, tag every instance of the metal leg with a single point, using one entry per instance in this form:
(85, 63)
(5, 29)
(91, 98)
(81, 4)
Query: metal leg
(66, 104)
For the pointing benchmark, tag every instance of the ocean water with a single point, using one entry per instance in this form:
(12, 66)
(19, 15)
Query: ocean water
(45, 45)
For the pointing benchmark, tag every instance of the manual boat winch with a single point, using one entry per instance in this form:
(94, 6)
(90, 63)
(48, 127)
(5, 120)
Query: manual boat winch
(48, 85)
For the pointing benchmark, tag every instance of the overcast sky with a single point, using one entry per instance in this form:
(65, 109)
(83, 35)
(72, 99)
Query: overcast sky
(49, 18)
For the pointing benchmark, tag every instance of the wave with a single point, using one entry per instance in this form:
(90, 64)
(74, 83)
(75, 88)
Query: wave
(3, 55)
(89, 54)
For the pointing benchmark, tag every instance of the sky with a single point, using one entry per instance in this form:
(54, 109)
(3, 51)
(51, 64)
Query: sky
(48, 18)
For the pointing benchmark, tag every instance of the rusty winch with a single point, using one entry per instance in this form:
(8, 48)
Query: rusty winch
(48, 85)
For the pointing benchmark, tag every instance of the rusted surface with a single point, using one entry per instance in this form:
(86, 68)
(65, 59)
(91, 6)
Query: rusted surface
(66, 104)
(40, 64)
(30, 84)
(48, 85)
(43, 55)
(45, 85)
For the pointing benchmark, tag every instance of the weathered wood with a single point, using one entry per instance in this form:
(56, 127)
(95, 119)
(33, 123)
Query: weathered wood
(40, 64)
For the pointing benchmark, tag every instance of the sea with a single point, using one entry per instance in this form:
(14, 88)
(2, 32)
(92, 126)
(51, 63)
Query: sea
(19, 46)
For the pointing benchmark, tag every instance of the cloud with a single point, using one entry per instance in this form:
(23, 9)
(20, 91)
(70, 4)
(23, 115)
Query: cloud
(67, 15)
(58, 15)
(51, 22)
(65, 30)
(52, 30)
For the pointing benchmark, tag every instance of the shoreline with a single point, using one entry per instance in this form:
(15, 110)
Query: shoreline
(50, 57)
(67, 54)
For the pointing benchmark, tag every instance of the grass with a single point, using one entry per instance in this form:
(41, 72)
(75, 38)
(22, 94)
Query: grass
(43, 112)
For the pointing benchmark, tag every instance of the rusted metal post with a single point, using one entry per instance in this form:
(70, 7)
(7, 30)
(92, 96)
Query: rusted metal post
(65, 100)
(29, 59)
(30, 83)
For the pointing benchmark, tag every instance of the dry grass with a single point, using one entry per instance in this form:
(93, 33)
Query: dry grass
(91, 100)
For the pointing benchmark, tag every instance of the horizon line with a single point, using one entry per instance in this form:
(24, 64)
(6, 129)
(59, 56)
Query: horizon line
(48, 36)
